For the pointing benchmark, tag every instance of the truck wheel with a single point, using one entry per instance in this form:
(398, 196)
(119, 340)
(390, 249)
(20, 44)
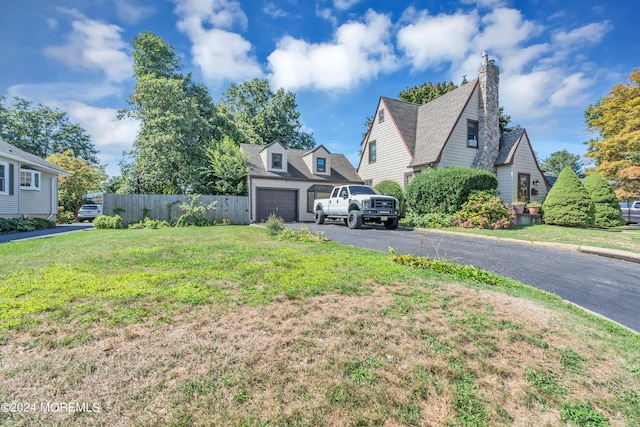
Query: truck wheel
(391, 224)
(354, 220)
(319, 217)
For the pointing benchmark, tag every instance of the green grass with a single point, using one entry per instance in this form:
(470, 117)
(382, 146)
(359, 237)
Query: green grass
(621, 238)
(233, 326)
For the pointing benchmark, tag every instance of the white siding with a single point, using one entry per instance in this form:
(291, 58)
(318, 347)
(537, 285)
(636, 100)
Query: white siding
(506, 183)
(392, 155)
(523, 162)
(37, 202)
(276, 148)
(10, 205)
(310, 159)
(456, 152)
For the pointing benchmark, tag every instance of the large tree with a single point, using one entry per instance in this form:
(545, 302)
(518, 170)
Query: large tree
(263, 115)
(85, 178)
(559, 160)
(226, 170)
(178, 120)
(616, 117)
(43, 131)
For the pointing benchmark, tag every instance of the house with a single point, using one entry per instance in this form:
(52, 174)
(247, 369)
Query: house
(28, 184)
(285, 181)
(460, 128)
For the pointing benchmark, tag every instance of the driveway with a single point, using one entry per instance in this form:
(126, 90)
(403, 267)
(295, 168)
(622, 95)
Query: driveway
(60, 229)
(606, 286)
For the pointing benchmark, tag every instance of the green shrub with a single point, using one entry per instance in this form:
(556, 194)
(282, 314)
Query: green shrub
(607, 208)
(42, 224)
(302, 235)
(65, 217)
(275, 224)
(195, 213)
(393, 189)
(445, 190)
(430, 220)
(484, 210)
(151, 224)
(108, 222)
(568, 203)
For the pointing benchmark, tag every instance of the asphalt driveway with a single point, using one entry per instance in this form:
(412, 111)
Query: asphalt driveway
(60, 229)
(609, 287)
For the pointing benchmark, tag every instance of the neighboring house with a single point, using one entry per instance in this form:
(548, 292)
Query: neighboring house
(28, 184)
(460, 128)
(285, 181)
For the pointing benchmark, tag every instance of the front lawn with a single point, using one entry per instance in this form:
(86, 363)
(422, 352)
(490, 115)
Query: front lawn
(621, 238)
(232, 326)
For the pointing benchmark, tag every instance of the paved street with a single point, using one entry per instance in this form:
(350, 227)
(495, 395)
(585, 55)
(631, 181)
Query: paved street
(606, 286)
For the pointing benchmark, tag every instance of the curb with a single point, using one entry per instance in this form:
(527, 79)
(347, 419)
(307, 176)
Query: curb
(591, 250)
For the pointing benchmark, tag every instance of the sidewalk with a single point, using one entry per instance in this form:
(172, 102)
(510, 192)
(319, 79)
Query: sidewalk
(592, 250)
(37, 234)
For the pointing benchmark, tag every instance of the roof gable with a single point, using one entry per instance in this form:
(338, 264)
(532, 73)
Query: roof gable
(405, 115)
(12, 152)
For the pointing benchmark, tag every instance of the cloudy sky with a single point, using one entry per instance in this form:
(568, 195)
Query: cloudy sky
(338, 56)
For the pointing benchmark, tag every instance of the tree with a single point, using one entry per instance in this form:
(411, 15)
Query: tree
(426, 92)
(568, 203)
(43, 131)
(112, 185)
(559, 160)
(263, 116)
(607, 209)
(616, 117)
(226, 171)
(85, 178)
(178, 120)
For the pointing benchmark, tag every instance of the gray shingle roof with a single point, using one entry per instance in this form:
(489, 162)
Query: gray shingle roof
(508, 146)
(15, 153)
(405, 115)
(435, 122)
(341, 167)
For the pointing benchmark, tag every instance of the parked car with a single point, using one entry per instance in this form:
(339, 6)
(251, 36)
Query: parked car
(89, 212)
(631, 213)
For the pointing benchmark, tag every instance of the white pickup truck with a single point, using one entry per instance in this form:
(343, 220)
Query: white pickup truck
(631, 212)
(357, 204)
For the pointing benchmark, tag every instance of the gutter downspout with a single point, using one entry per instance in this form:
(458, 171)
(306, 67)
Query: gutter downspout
(54, 197)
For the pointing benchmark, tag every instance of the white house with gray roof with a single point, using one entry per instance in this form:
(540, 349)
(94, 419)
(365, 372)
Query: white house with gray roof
(460, 128)
(285, 181)
(28, 184)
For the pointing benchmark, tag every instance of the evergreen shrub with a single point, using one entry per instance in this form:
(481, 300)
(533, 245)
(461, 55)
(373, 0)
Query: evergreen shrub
(445, 190)
(393, 189)
(607, 209)
(568, 203)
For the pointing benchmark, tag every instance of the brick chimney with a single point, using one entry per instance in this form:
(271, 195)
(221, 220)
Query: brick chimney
(489, 112)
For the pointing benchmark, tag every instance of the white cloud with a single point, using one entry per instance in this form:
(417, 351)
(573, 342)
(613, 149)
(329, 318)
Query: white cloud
(63, 91)
(94, 45)
(431, 40)
(220, 54)
(345, 4)
(572, 91)
(525, 95)
(273, 11)
(358, 52)
(504, 31)
(589, 34)
(131, 13)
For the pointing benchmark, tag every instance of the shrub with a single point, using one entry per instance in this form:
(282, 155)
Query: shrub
(65, 217)
(42, 224)
(484, 210)
(151, 224)
(568, 203)
(195, 213)
(275, 224)
(302, 235)
(108, 222)
(445, 190)
(607, 208)
(393, 189)
(430, 220)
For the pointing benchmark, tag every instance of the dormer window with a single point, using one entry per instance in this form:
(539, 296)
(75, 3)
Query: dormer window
(321, 164)
(472, 133)
(276, 161)
(29, 179)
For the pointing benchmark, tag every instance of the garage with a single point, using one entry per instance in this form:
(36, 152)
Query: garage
(283, 203)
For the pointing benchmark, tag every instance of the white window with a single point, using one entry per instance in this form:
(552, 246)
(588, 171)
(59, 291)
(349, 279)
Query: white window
(4, 178)
(29, 179)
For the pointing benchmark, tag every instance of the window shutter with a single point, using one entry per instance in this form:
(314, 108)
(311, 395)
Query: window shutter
(11, 179)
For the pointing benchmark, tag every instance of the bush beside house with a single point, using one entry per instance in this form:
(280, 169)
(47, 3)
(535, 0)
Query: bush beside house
(568, 203)
(607, 208)
(446, 190)
(393, 189)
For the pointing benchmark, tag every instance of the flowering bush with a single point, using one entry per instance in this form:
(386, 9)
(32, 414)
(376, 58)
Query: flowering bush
(484, 210)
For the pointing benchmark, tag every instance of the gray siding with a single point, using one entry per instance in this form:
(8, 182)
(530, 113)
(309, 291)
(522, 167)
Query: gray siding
(456, 152)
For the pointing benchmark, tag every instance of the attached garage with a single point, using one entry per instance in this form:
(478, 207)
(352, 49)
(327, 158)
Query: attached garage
(283, 203)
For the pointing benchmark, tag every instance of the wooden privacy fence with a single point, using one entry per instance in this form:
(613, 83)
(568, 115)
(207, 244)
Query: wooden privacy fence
(131, 207)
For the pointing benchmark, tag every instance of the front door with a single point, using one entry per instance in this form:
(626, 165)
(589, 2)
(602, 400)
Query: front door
(524, 187)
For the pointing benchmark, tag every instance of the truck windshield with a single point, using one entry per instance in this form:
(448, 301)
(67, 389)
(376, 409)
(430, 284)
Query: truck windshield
(361, 189)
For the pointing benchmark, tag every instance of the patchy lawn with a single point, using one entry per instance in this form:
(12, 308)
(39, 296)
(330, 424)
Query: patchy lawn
(230, 326)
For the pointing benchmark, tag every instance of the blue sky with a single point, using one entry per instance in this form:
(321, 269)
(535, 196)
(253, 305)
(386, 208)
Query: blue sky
(338, 56)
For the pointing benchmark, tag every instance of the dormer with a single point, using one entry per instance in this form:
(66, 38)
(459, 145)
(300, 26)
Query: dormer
(274, 157)
(318, 161)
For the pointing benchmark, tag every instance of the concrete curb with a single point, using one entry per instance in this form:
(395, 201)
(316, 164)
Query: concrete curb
(591, 250)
